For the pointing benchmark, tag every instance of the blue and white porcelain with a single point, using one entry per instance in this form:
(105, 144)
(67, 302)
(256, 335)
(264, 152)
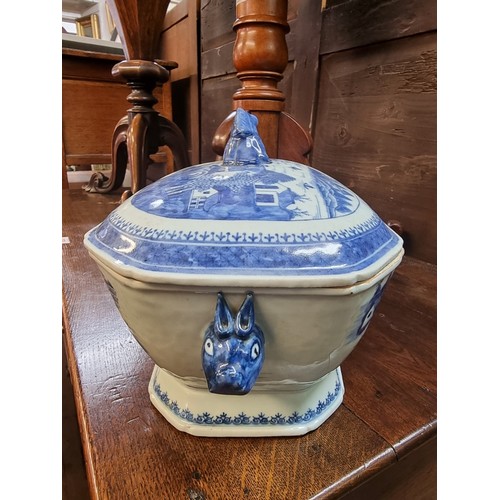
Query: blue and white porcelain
(248, 281)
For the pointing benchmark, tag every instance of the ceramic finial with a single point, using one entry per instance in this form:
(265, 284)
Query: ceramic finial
(244, 147)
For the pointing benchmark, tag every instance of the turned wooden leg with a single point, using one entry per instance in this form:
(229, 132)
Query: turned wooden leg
(98, 182)
(138, 153)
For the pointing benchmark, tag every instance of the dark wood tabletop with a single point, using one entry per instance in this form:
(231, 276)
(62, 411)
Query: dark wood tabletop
(383, 434)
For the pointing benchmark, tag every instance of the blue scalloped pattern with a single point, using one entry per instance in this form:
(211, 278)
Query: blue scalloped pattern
(243, 419)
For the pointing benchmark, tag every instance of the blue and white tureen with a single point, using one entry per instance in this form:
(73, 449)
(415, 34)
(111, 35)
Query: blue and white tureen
(248, 281)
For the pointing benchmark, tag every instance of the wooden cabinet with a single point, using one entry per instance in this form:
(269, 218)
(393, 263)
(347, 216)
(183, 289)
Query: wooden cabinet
(92, 103)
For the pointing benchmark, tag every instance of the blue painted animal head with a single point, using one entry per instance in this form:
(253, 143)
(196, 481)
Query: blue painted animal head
(244, 147)
(233, 349)
(369, 309)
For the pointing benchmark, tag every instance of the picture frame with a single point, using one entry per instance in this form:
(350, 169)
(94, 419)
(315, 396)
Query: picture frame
(88, 26)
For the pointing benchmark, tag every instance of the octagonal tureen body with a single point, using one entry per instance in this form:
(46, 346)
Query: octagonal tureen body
(248, 281)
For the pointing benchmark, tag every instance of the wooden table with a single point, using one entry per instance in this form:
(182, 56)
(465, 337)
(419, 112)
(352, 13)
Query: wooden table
(382, 439)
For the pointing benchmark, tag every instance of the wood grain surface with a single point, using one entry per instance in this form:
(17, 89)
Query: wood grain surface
(132, 452)
(356, 23)
(375, 132)
(216, 98)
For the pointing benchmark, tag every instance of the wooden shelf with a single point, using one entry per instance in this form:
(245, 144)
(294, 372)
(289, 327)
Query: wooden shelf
(384, 432)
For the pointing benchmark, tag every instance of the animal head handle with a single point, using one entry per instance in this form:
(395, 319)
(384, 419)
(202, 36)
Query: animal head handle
(233, 349)
(244, 147)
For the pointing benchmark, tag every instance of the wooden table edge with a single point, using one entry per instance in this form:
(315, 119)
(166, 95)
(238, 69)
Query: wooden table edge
(79, 404)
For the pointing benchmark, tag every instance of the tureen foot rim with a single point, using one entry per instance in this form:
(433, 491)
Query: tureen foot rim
(198, 412)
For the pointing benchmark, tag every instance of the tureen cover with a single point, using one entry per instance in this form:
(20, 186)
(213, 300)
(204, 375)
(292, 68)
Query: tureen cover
(246, 219)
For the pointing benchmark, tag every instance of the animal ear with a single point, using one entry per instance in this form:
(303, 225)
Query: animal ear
(245, 318)
(223, 320)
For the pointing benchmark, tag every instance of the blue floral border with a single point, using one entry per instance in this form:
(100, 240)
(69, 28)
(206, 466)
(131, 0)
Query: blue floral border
(243, 419)
(297, 259)
(148, 233)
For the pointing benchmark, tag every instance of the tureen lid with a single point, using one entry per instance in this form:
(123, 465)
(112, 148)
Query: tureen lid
(245, 221)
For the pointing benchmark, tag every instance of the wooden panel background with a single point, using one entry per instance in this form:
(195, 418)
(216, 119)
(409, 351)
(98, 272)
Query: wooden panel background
(217, 73)
(375, 131)
(179, 43)
(218, 76)
(362, 79)
(355, 23)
